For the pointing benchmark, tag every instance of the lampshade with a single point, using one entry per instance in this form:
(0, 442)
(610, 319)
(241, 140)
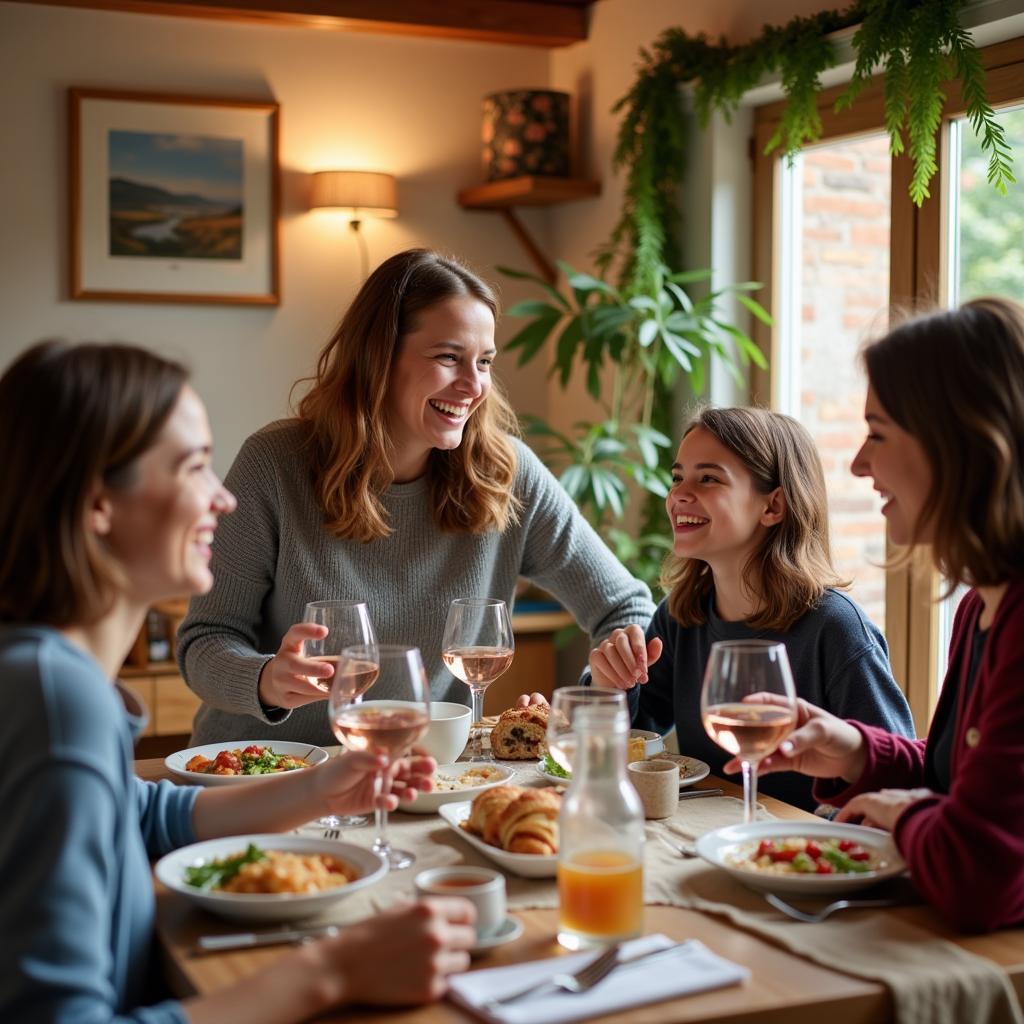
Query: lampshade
(365, 192)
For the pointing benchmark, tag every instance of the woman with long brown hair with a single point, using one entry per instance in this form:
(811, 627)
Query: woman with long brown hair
(400, 483)
(750, 558)
(109, 504)
(945, 449)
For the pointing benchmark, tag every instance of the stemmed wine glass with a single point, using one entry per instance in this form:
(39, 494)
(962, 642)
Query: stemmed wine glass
(565, 702)
(348, 623)
(390, 727)
(748, 705)
(477, 647)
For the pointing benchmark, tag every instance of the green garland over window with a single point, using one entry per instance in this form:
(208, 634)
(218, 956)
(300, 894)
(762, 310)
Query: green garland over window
(919, 44)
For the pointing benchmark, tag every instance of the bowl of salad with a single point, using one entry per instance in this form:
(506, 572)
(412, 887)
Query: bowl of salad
(803, 857)
(241, 761)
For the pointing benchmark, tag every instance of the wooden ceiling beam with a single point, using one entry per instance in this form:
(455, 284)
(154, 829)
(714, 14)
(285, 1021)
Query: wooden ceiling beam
(519, 22)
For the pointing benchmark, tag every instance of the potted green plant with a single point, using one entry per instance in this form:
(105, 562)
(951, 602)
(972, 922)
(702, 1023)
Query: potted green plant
(650, 341)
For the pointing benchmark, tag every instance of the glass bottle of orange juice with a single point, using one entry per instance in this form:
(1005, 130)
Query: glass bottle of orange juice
(601, 837)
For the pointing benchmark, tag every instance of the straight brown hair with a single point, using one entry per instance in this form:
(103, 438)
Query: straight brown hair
(792, 567)
(71, 417)
(344, 410)
(955, 381)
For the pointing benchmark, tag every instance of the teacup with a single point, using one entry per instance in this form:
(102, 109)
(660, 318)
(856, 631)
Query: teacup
(483, 887)
(657, 783)
(448, 733)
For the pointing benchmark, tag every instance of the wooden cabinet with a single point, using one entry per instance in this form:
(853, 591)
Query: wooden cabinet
(171, 704)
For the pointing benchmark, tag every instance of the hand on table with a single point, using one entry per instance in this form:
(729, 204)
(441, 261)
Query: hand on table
(622, 661)
(403, 955)
(881, 809)
(290, 680)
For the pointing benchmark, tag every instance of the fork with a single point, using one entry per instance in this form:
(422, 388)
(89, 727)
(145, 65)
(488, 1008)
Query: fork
(816, 917)
(585, 978)
(332, 833)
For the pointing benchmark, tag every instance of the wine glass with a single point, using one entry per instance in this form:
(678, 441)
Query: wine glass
(477, 647)
(748, 705)
(348, 623)
(565, 702)
(390, 727)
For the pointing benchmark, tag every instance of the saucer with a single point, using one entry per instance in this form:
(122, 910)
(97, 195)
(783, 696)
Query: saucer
(509, 930)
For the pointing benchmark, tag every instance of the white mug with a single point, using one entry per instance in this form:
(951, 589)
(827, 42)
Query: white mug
(483, 887)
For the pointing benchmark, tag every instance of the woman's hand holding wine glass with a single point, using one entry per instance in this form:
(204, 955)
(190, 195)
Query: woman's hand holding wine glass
(748, 705)
(389, 728)
(477, 648)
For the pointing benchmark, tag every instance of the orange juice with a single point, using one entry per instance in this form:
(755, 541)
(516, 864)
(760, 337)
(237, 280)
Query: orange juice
(600, 897)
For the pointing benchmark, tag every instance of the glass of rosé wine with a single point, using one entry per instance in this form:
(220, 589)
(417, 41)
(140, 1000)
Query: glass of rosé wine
(348, 623)
(477, 648)
(389, 726)
(748, 705)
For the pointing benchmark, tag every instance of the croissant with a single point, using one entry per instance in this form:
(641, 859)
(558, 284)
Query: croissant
(529, 824)
(519, 734)
(486, 809)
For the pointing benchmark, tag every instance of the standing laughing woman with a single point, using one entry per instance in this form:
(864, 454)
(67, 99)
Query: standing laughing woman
(945, 449)
(400, 483)
(109, 504)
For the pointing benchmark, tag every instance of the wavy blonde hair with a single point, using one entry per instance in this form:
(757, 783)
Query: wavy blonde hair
(955, 380)
(345, 410)
(792, 566)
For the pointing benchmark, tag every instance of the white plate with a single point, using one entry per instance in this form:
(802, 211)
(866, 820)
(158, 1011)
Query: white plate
(175, 763)
(527, 865)
(695, 771)
(170, 870)
(508, 931)
(715, 847)
(430, 803)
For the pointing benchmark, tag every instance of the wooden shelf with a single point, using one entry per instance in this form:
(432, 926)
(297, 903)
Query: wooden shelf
(503, 196)
(527, 191)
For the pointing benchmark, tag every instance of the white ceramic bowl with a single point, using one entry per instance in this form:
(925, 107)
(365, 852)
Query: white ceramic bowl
(449, 731)
(719, 848)
(429, 803)
(654, 743)
(175, 763)
(170, 870)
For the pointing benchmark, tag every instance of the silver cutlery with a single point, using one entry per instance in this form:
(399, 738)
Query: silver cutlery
(694, 794)
(332, 833)
(246, 940)
(817, 916)
(681, 849)
(587, 977)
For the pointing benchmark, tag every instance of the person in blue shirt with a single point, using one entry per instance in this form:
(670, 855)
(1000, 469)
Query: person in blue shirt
(109, 504)
(750, 559)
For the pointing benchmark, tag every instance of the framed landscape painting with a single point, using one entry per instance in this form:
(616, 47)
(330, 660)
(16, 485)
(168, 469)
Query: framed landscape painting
(173, 198)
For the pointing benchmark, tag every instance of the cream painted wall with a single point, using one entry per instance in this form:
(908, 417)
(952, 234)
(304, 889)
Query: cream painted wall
(410, 106)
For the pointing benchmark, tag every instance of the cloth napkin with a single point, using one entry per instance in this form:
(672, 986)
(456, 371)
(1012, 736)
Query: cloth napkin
(691, 968)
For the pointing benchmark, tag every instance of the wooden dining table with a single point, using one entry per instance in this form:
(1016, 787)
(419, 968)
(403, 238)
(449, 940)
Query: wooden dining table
(783, 988)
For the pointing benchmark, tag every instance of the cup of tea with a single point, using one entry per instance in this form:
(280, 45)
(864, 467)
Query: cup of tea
(657, 783)
(483, 887)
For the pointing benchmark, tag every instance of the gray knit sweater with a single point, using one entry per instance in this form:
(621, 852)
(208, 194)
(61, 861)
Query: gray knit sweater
(273, 555)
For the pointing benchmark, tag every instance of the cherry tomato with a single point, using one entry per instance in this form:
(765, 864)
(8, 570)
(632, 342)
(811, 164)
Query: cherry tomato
(783, 855)
(766, 846)
(860, 855)
(226, 759)
(846, 845)
(254, 750)
(824, 868)
(812, 849)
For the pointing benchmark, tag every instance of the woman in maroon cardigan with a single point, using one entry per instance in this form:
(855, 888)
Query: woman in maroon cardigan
(945, 449)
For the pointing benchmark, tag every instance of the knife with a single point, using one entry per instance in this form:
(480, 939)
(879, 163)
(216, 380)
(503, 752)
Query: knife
(246, 940)
(693, 794)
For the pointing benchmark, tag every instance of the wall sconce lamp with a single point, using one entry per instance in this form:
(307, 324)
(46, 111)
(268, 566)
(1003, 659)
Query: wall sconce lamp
(359, 194)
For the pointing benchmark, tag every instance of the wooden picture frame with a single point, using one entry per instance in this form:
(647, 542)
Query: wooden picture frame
(173, 198)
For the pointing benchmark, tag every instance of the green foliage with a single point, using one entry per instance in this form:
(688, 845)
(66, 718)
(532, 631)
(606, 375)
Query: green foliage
(650, 340)
(918, 43)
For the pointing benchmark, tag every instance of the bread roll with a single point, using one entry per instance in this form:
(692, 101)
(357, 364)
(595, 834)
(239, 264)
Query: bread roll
(519, 734)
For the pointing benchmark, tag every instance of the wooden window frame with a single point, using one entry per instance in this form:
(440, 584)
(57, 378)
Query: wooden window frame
(917, 278)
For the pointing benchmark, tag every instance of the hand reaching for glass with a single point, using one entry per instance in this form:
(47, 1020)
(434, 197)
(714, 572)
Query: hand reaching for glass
(622, 660)
(821, 745)
(291, 679)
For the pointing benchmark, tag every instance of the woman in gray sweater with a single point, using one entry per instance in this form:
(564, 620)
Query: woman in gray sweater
(400, 483)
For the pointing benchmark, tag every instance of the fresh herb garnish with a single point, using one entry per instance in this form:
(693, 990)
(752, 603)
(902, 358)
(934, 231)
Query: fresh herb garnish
(217, 872)
(552, 767)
